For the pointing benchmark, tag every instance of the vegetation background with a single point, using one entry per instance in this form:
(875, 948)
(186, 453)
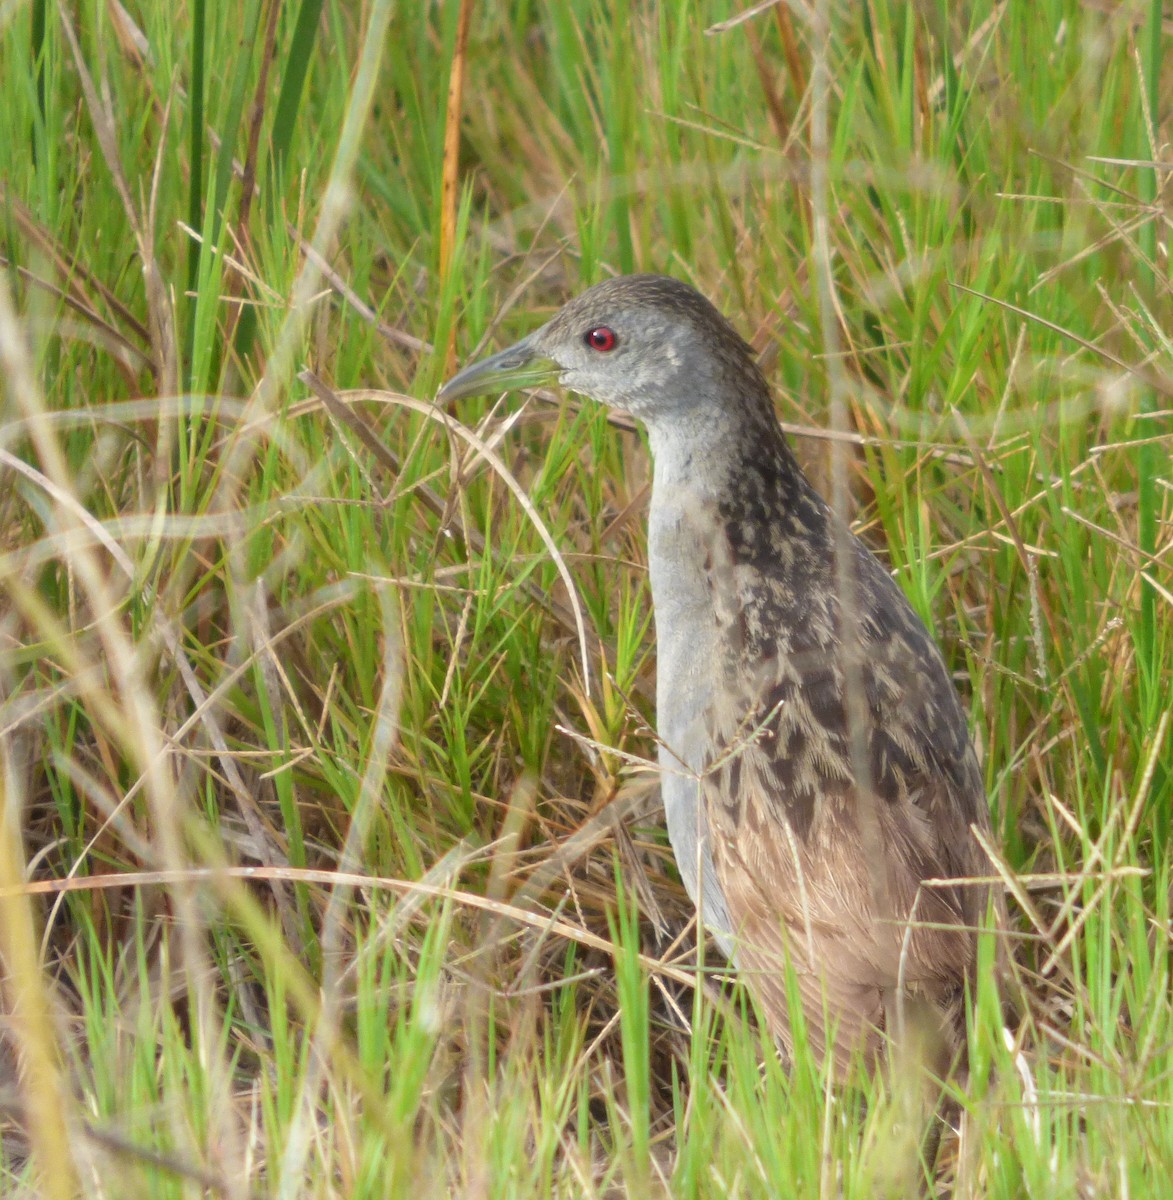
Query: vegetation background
(327, 866)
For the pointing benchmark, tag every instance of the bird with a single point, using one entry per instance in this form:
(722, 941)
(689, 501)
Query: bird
(822, 794)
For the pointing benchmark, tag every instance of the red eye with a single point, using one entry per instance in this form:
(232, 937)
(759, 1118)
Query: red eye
(601, 338)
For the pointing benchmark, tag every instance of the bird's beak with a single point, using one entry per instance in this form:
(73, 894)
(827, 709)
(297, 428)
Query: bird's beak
(521, 365)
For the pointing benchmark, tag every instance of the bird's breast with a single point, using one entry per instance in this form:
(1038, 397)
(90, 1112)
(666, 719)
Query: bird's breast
(688, 671)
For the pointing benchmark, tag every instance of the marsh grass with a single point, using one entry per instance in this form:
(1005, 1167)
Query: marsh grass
(327, 865)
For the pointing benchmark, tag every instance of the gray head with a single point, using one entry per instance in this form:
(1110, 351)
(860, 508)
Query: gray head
(647, 344)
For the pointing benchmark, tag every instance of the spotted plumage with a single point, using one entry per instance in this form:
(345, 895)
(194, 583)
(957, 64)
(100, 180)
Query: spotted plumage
(818, 775)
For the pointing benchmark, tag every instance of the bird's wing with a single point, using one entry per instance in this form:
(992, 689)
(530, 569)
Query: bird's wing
(837, 786)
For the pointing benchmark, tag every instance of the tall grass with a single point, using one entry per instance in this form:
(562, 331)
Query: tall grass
(328, 866)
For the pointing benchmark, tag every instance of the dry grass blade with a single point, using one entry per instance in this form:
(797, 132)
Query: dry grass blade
(1156, 382)
(256, 118)
(450, 168)
(396, 336)
(215, 876)
(67, 501)
(28, 1002)
(75, 273)
(124, 352)
(1110, 834)
(755, 10)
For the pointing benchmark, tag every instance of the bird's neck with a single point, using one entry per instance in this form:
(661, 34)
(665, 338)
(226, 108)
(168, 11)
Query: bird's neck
(728, 496)
(703, 447)
(715, 472)
(707, 456)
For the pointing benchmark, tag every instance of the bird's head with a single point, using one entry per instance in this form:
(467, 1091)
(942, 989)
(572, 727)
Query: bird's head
(647, 344)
